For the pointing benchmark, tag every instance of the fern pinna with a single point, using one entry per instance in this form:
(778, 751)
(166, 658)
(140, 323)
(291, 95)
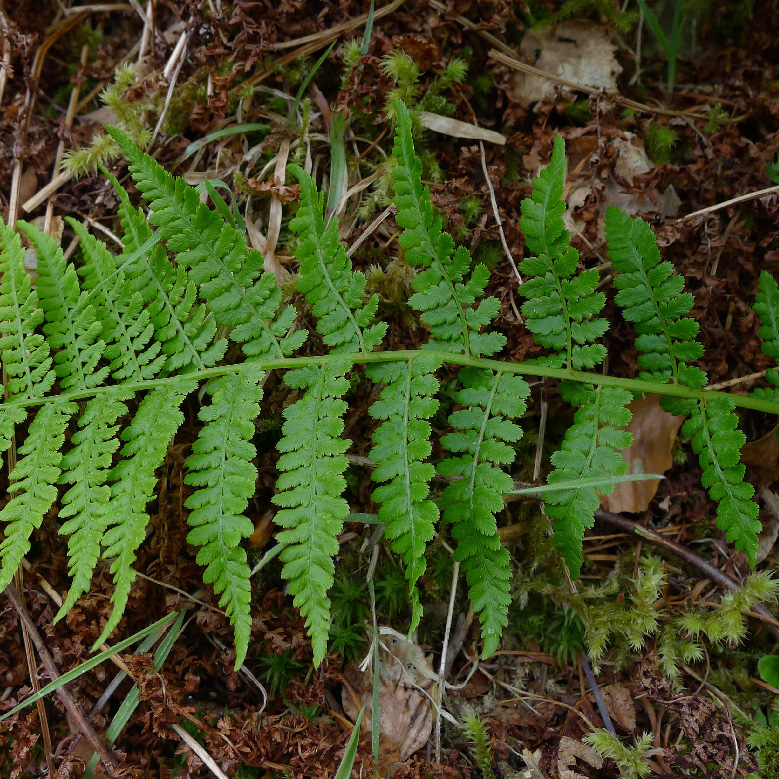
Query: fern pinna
(100, 357)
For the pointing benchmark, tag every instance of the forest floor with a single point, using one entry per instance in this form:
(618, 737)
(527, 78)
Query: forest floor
(699, 162)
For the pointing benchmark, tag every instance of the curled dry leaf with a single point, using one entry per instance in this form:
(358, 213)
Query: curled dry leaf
(654, 433)
(457, 129)
(763, 456)
(567, 753)
(581, 52)
(406, 685)
(620, 705)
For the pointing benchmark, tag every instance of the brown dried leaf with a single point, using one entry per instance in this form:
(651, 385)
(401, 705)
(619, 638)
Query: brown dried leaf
(763, 456)
(581, 52)
(654, 432)
(405, 675)
(567, 753)
(620, 705)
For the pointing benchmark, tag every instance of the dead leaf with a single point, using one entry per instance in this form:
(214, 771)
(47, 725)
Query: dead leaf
(654, 433)
(770, 532)
(581, 52)
(763, 456)
(620, 705)
(567, 753)
(405, 675)
(457, 129)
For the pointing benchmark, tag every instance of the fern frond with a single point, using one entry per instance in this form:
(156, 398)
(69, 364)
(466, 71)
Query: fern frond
(25, 354)
(562, 305)
(222, 469)
(767, 308)
(185, 330)
(484, 433)
(716, 439)
(71, 328)
(590, 449)
(310, 488)
(333, 291)
(131, 351)
(653, 299)
(86, 504)
(229, 274)
(146, 442)
(33, 484)
(401, 444)
(446, 300)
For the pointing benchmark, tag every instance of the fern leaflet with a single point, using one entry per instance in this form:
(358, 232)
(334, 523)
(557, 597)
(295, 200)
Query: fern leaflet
(562, 306)
(485, 432)
(25, 353)
(184, 329)
(446, 301)
(71, 328)
(217, 259)
(590, 449)
(33, 485)
(716, 439)
(333, 291)
(131, 350)
(401, 444)
(310, 486)
(767, 308)
(221, 467)
(653, 299)
(132, 484)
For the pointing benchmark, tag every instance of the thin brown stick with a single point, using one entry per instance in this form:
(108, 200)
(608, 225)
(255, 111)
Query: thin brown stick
(732, 202)
(108, 758)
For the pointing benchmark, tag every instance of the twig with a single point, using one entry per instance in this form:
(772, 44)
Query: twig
(195, 746)
(442, 667)
(109, 760)
(599, 700)
(495, 211)
(733, 201)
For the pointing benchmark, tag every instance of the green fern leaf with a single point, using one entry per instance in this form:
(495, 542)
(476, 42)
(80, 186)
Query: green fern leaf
(25, 353)
(767, 308)
(228, 274)
(221, 467)
(485, 432)
(447, 301)
(310, 487)
(590, 449)
(185, 330)
(333, 291)
(562, 305)
(716, 439)
(86, 504)
(71, 328)
(653, 299)
(401, 444)
(33, 485)
(131, 351)
(146, 442)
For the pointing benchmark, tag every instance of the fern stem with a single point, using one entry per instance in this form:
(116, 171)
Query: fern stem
(406, 355)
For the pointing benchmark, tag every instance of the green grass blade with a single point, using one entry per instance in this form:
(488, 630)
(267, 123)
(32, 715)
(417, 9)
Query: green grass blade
(347, 762)
(307, 81)
(577, 484)
(130, 703)
(68, 677)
